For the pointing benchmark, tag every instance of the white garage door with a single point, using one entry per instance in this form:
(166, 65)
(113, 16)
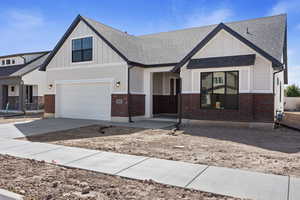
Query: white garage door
(83, 100)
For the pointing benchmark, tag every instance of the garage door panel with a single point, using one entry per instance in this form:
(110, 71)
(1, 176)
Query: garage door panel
(84, 101)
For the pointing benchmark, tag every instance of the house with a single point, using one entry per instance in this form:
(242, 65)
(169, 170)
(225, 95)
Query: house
(233, 71)
(22, 84)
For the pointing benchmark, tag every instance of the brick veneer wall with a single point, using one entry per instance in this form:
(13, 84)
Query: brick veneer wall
(164, 104)
(49, 106)
(252, 107)
(119, 105)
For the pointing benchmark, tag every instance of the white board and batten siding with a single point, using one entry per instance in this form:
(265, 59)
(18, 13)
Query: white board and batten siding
(252, 79)
(82, 89)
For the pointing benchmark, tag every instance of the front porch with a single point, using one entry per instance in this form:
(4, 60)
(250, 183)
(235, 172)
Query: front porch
(18, 97)
(162, 89)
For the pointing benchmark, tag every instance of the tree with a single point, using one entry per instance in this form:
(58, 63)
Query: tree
(292, 91)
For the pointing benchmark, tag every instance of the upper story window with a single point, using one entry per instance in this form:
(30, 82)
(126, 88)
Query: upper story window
(8, 61)
(82, 49)
(219, 90)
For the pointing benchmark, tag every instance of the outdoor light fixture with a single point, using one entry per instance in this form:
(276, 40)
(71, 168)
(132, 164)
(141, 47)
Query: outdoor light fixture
(50, 86)
(118, 84)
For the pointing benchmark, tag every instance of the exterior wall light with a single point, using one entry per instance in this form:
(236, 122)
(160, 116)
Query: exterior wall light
(118, 84)
(50, 86)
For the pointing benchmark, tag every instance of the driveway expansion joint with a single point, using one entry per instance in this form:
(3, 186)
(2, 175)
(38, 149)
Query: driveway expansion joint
(135, 164)
(201, 172)
(82, 158)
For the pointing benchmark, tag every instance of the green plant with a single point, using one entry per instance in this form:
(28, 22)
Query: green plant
(292, 91)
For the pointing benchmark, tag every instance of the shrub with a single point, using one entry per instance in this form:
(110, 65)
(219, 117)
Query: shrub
(292, 91)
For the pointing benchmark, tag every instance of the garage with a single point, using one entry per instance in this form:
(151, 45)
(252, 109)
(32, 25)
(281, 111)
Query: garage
(83, 100)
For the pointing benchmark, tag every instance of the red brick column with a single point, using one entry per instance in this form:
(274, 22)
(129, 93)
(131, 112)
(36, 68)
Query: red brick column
(49, 103)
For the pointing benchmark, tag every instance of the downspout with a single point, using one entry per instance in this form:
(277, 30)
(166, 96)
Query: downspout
(274, 73)
(179, 116)
(129, 94)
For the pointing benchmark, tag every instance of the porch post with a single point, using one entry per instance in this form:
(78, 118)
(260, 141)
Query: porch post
(21, 96)
(148, 84)
(1, 96)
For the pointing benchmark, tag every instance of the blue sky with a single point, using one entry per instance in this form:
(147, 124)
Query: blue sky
(34, 25)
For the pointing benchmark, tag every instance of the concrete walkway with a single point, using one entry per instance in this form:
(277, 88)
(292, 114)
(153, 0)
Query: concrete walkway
(224, 181)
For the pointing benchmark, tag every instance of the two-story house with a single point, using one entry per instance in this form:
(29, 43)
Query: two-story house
(233, 71)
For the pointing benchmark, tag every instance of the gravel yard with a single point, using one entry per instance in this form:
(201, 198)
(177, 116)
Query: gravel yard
(39, 180)
(268, 151)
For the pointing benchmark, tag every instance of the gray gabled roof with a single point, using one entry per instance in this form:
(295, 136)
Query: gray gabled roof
(29, 67)
(266, 34)
(20, 70)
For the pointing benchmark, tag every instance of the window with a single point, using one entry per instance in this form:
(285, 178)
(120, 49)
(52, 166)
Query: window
(29, 94)
(3, 62)
(8, 62)
(219, 90)
(13, 61)
(82, 49)
(12, 89)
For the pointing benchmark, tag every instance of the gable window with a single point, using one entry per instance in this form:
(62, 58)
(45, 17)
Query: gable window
(8, 62)
(219, 90)
(82, 49)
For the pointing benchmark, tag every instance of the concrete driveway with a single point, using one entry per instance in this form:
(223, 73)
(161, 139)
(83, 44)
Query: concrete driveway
(41, 126)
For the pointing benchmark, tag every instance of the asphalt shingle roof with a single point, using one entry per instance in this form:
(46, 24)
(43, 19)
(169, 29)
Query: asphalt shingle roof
(267, 33)
(20, 70)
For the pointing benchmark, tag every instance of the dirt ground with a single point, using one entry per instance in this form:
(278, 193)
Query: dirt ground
(268, 151)
(4, 119)
(39, 180)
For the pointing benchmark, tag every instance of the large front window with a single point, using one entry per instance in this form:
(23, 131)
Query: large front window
(82, 49)
(219, 90)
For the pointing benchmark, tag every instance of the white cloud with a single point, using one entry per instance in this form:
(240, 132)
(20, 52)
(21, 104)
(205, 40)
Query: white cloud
(207, 17)
(285, 6)
(22, 19)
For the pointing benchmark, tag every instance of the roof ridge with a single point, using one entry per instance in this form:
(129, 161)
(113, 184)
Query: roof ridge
(27, 53)
(206, 26)
(110, 27)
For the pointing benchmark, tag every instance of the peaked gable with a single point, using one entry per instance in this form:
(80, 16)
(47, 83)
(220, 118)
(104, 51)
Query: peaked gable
(78, 20)
(213, 33)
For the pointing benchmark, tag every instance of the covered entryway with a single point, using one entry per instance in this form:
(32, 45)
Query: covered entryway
(166, 88)
(84, 100)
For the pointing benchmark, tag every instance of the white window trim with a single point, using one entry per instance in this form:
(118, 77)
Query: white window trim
(93, 52)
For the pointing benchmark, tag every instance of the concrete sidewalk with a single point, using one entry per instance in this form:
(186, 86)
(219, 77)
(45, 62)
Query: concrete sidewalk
(224, 181)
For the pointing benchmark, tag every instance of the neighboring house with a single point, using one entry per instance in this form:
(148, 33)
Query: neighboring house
(233, 71)
(22, 85)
